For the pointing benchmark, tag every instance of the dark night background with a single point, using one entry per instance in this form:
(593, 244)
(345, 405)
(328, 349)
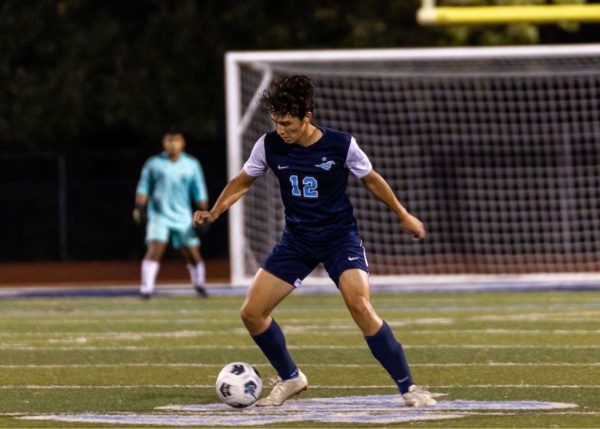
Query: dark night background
(88, 87)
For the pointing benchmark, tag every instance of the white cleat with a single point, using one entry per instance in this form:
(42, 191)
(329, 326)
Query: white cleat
(417, 397)
(283, 390)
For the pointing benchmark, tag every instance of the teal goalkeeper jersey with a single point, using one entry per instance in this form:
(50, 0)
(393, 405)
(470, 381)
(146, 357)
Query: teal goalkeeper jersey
(171, 187)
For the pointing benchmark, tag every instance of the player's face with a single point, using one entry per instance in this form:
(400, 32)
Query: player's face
(173, 144)
(290, 128)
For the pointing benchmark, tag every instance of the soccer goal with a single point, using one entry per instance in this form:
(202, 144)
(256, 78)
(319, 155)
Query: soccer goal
(497, 150)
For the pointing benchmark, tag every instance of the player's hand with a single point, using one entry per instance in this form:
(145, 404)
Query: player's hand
(413, 226)
(203, 217)
(139, 215)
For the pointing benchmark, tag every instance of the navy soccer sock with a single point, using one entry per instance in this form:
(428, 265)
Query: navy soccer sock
(272, 344)
(389, 353)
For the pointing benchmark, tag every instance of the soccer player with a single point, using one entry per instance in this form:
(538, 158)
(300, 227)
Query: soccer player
(312, 164)
(168, 184)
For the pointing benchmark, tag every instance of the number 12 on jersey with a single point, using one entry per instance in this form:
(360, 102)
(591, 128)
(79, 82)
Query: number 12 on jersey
(309, 187)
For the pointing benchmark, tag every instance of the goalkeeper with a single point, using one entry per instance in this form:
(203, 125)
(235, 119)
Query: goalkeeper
(168, 185)
(312, 164)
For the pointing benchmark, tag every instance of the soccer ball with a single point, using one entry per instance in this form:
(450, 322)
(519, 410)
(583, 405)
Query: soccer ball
(239, 385)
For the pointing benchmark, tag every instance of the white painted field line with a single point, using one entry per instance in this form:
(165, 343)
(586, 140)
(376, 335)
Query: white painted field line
(333, 308)
(104, 320)
(20, 347)
(302, 323)
(411, 331)
(318, 365)
(120, 335)
(95, 317)
(508, 331)
(515, 386)
(295, 330)
(580, 316)
(312, 386)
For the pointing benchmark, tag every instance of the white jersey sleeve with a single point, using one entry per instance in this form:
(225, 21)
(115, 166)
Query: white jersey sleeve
(357, 161)
(256, 165)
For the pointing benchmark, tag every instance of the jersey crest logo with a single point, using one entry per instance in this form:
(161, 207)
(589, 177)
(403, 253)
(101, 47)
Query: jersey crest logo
(326, 165)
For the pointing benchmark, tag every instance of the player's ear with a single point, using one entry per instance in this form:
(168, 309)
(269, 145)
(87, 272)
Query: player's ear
(307, 117)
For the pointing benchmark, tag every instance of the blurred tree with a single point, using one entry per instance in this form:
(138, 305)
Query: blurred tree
(86, 74)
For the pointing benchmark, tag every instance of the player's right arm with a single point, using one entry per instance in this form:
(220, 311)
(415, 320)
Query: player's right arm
(233, 191)
(139, 211)
(379, 187)
(143, 189)
(254, 167)
(358, 163)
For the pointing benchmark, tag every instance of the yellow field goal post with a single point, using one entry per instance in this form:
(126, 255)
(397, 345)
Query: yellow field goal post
(431, 14)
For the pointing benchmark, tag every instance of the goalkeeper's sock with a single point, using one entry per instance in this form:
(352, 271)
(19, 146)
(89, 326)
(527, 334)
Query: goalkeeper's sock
(149, 272)
(197, 273)
(272, 344)
(389, 353)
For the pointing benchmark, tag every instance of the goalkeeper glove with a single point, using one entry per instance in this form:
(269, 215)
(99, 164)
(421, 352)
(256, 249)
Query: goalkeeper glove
(139, 214)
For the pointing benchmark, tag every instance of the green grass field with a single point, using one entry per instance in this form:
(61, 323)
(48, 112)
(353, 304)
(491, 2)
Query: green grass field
(127, 356)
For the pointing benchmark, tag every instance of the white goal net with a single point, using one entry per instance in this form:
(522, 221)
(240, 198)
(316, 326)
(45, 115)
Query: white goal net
(497, 150)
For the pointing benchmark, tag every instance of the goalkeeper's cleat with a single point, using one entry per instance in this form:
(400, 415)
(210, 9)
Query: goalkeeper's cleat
(201, 290)
(417, 397)
(145, 295)
(284, 390)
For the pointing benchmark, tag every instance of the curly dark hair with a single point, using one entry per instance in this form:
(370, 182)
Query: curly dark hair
(293, 95)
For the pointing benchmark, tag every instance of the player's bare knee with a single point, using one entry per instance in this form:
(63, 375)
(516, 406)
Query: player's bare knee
(360, 307)
(252, 319)
(245, 315)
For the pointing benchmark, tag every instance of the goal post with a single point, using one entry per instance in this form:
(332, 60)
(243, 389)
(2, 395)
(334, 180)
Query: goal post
(497, 150)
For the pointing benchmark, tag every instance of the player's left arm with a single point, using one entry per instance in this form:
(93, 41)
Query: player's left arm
(378, 186)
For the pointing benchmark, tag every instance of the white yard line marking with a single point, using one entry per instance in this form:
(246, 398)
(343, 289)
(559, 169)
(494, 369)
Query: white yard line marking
(21, 347)
(121, 335)
(516, 386)
(83, 336)
(496, 413)
(398, 307)
(328, 323)
(109, 320)
(318, 365)
(539, 317)
(312, 386)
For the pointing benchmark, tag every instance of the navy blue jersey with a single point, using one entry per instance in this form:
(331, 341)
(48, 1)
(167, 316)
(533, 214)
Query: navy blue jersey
(312, 181)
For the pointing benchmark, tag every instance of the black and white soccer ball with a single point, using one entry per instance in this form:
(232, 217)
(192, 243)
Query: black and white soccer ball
(239, 384)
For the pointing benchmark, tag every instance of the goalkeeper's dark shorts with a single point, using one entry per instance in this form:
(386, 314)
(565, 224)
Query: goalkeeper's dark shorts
(292, 259)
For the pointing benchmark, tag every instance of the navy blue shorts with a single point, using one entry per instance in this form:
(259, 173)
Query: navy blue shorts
(292, 259)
